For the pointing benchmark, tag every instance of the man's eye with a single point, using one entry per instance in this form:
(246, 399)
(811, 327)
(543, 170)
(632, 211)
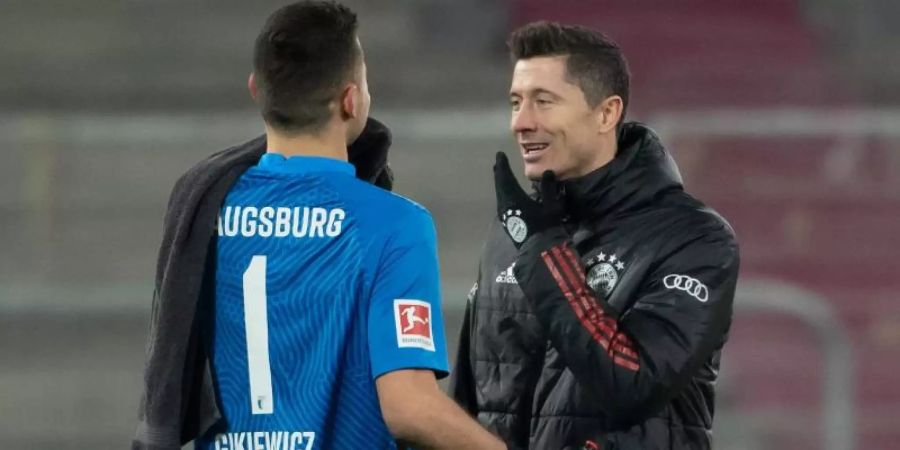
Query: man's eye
(542, 102)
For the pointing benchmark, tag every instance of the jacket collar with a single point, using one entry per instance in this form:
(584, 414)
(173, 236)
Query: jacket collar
(641, 170)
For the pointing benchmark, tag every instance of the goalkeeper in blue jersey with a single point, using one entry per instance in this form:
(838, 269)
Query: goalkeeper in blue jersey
(327, 330)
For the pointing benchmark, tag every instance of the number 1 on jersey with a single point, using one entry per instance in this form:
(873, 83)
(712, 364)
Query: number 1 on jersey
(256, 322)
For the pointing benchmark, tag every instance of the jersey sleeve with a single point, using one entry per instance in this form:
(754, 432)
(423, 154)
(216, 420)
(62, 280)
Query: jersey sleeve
(406, 327)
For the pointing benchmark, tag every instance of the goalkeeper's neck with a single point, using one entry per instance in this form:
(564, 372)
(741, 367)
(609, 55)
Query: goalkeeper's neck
(329, 142)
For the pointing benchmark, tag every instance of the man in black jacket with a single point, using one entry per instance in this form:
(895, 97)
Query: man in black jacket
(603, 300)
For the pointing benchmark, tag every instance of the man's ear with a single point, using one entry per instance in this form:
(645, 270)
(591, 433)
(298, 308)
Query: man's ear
(348, 101)
(609, 111)
(251, 85)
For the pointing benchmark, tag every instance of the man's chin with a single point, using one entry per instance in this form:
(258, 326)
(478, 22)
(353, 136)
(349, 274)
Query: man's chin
(534, 173)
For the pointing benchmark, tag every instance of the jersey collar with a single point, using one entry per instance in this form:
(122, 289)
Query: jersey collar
(276, 162)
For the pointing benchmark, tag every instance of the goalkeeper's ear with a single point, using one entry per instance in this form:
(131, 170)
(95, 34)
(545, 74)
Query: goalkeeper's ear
(251, 85)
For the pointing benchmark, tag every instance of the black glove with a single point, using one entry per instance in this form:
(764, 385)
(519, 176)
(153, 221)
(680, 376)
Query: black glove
(521, 215)
(368, 153)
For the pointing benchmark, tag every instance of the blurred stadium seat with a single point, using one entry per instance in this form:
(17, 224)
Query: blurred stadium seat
(693, 53)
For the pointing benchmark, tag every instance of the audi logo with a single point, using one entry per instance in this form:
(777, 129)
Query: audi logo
(687, 284)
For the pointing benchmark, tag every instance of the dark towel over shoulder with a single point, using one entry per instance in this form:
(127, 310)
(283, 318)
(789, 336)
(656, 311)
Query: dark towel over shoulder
(179, 402)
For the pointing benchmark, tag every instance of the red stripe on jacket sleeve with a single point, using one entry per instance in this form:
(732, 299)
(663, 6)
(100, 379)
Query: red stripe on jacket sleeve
(603, 328)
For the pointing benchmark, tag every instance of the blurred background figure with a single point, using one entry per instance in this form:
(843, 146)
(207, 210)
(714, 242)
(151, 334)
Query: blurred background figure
(784, 115)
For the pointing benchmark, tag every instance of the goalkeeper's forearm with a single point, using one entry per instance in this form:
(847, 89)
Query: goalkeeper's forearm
(418, 413)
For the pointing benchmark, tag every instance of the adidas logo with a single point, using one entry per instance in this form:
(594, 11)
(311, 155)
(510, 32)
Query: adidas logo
(507, 276)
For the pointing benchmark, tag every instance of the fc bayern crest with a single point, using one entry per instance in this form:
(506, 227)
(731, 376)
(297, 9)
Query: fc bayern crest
(515, 226)
(603, 274)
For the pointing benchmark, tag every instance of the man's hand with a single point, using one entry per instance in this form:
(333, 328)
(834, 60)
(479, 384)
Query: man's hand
(369, 154)
(522, 216)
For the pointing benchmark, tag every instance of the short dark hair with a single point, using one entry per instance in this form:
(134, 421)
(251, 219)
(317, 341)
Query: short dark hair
(595, 63)
(302, 56)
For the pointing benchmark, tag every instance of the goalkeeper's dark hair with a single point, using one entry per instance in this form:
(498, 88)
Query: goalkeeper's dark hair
(595, 63)
(304, 54)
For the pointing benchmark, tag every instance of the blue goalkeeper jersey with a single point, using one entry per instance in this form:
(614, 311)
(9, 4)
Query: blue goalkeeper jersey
(323, 283)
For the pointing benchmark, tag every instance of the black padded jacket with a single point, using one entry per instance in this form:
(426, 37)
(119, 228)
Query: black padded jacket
(604, 332)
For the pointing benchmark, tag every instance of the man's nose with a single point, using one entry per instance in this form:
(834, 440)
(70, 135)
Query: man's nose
(523, 120)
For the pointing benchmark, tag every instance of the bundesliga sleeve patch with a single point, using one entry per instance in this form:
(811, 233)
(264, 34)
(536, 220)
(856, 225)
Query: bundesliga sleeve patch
(413, 321)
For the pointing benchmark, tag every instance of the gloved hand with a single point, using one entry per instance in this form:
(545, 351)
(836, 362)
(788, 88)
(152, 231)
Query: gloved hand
(368, 153)
(521, 215)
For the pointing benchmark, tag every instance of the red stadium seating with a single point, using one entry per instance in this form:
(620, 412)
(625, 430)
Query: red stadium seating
(705, 52)
(828, 226)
